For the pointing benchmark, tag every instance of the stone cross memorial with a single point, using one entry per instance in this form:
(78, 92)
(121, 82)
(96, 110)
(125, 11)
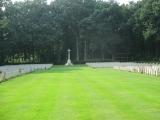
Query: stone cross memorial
(69, 58)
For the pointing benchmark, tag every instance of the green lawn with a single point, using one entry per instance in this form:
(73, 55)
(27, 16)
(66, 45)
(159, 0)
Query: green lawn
(80, 93)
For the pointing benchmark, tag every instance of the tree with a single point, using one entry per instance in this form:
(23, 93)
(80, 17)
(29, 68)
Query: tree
(35, 32)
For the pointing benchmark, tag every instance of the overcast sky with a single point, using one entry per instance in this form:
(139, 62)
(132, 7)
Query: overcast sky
(125, 1)
(119, 1)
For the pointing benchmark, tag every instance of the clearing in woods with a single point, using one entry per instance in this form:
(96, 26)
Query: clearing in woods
(80, 93)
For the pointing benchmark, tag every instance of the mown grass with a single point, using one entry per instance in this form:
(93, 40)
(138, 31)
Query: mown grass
(80, 93)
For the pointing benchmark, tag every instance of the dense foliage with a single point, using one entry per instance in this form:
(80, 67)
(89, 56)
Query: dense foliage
(35, 32)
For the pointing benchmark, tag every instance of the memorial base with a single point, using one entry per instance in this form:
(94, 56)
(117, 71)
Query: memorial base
(69, 63)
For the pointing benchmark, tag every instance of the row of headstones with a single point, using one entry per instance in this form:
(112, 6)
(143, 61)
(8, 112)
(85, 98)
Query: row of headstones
(151, 69)
(145, 68)
(9, 71)
(109, 64)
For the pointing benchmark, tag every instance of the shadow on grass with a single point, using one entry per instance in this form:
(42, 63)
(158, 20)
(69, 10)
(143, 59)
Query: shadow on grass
(61, 69)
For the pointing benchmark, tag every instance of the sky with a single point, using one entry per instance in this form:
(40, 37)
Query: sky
(125, 1)
(119, 1)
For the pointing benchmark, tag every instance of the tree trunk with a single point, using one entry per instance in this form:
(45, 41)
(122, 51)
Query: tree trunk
(1, 57)
(85, 50)
(157, 49)
(77, 48)
(102, 53)
(113, 57)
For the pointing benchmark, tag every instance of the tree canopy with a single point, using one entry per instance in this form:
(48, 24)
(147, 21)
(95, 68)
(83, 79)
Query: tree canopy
(35, 32)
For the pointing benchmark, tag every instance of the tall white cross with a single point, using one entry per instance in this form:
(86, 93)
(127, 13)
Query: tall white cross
(69, 54)
(69, 58)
